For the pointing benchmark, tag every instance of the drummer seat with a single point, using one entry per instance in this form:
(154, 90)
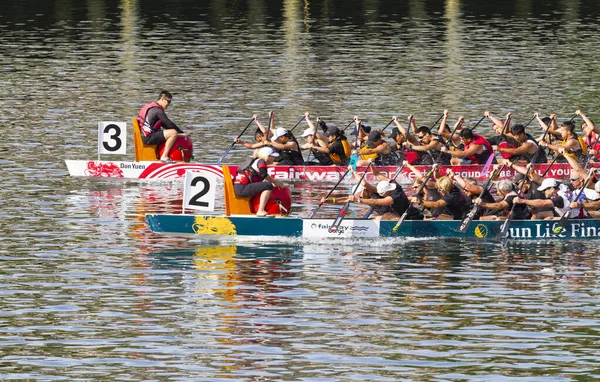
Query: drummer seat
(142, 152)
(234, 205)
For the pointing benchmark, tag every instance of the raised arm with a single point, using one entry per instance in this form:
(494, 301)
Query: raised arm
(467, 186)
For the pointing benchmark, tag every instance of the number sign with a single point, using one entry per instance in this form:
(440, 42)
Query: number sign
(112, 138)
(199, 190)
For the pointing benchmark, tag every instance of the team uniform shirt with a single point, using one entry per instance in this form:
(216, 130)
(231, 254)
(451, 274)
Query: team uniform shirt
(456, 204)
(521, 211)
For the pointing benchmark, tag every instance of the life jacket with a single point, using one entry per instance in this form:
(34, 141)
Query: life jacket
(246, 172)
(579, 154)
(373, 156)
(487, 150)
(347, 151)
(144, 124)
(593, 144)
(506, 143)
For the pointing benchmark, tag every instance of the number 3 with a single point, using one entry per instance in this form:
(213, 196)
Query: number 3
(116, 137)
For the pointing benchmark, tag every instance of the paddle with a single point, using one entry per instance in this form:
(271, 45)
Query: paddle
(531, 120)
(436, 122)
(504, 227)
(233, 143)
(271, 115)
(478, 122)
(565, 217)
(419, 195)
(389, 123)
(328, 194)
(348, 125)
(370, 210)
(454, 132)
(464, 225)
(301, 119)
(336, 223)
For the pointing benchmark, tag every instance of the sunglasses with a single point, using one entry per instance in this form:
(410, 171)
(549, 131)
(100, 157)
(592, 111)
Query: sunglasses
(420, 136)
(574, 179)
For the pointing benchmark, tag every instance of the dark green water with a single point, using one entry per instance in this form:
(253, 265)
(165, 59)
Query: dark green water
(88, 293)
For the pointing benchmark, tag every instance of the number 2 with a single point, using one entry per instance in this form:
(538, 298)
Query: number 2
(206, 187)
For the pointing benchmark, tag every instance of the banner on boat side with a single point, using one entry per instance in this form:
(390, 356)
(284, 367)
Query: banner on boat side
(199, 190)
(112, 138)
(348, 229)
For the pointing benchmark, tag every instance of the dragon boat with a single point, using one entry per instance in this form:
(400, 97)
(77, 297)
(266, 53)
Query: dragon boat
(146, 167)
(239, 221)
(220, 227)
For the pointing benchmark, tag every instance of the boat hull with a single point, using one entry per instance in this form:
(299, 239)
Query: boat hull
(150, 171)
(222, 227)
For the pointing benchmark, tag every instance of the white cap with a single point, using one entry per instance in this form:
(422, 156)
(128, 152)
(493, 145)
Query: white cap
(307, 132)
(597, 187)
(267, 151)
(385, 186)
(279, 132)
(547, 183)
(590, 194)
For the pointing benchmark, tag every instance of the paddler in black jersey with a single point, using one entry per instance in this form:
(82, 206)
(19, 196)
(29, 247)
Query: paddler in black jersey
(332, 144)
(525, 148)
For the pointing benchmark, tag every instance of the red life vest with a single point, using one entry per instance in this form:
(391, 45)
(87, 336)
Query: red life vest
(480, 158)
(145, 126)
(593, 144)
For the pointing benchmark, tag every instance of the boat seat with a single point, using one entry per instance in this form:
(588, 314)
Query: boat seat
(142, 152)
(234, 205)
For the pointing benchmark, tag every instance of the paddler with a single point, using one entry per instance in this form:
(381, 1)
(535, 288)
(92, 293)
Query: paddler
(453, 201)
(156, 127)
(332, 144)
(477, 149)
(252, 178)
(390, 194)
(503, 138)
(572, 143)
(376, 150)
(525, 148)
(508, 192)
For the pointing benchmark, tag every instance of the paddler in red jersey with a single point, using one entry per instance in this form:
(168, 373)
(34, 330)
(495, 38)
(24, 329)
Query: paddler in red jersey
(252, 178)
(477, 149)
(156, 127)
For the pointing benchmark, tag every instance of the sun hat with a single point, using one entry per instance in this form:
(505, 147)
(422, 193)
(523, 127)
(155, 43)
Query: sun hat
(385, 186)
(267, 151)
(307, 132)
(547, 183)
(279, 132)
